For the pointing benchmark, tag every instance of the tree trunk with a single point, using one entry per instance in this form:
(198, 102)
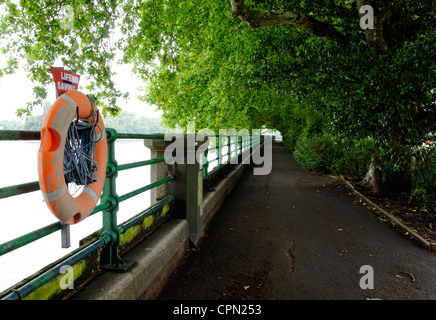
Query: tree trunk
(376, 176)
(383, 181)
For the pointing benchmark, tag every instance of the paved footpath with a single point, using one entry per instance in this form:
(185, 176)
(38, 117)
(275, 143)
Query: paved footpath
(295, 235)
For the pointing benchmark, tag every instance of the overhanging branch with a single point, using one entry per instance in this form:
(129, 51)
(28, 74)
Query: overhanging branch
(259, 19)
(375, 38)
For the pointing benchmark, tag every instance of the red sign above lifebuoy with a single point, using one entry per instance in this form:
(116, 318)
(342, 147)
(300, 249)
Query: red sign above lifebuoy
(64, 80)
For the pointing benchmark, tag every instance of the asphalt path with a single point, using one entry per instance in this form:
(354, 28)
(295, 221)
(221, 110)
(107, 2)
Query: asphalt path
(294, 235)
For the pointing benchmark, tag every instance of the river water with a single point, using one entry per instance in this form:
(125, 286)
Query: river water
(25, 213)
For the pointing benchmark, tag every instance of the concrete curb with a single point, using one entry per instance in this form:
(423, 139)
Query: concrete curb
(156, 258)
(431, 246)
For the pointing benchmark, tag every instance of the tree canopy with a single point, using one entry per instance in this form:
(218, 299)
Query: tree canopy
(302, 67)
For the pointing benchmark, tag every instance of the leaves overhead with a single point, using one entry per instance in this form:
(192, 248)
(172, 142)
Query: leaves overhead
(75, 34)
(198, 63)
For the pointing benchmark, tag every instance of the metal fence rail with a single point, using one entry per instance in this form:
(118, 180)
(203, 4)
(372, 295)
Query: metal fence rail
(110, 233)
(235, 145)
(227, 149)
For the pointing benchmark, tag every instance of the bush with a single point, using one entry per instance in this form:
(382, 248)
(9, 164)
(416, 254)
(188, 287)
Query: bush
(315, 152)
(354, 159)
(424, 187)
(324, 154)
(289, 140)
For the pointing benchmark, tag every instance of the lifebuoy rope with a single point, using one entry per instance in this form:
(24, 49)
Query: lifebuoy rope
(79, 155)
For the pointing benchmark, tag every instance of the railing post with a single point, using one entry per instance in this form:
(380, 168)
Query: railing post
(206, 168)
(110, 258)
(158, 171)
(229, 149)
(188, 187)
(239, 148)
(218, 146)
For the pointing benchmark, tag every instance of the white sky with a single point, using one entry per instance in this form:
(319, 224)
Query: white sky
(16, 90)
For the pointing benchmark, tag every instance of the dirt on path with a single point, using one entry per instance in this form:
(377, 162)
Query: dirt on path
(296, 235)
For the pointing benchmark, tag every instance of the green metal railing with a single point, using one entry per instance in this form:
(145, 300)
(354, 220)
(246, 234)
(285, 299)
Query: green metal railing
(236, 146)
(108, 240)
(110, 232)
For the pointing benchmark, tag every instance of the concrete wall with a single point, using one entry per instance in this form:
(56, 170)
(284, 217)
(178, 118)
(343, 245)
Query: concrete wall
(156, 258)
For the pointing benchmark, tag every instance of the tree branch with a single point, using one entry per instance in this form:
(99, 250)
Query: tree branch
(375, 38)
(259, 19)
(264, 121)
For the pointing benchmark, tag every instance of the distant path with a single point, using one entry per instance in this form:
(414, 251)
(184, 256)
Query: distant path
(294, 235)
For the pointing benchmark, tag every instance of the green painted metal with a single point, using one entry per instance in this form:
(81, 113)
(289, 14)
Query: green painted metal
(19, 135)
(28, 238)
(124, 227)
(229, 148)
(139, 164)
(218, 145)
(239, 147)
(140, 136)
(109, 199)
(143, 189)
(110, 232)
(110, 258)
(205, 164)
(31, 286)
(239, 144)
(19, 189)
(101, 207)
(110, 255)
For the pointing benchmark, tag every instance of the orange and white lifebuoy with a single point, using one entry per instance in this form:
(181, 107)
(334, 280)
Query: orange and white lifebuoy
(61, 203)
